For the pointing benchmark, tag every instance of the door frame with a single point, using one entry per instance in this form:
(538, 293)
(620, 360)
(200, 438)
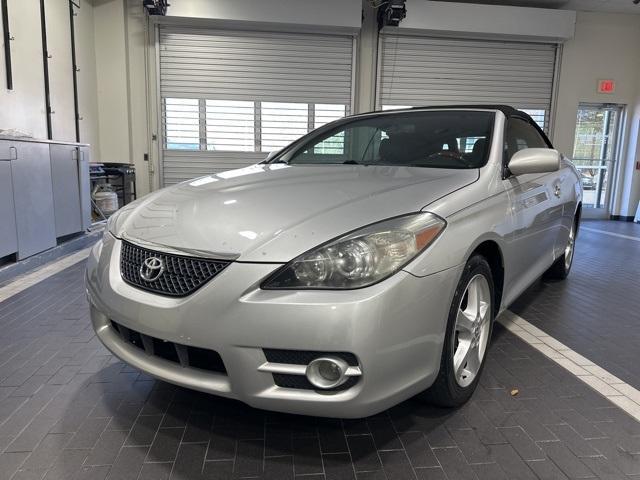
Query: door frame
(601, 213)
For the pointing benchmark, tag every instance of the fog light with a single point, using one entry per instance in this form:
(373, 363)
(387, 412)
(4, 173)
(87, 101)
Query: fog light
(327, 372)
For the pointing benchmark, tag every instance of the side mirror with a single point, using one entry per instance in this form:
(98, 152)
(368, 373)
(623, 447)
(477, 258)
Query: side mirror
(534, 160)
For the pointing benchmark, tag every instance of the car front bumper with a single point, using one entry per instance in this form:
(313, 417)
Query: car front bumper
(395, 329)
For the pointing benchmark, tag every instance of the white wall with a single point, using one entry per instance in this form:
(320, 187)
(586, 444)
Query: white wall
(87, 79)
(605, 46)
(366, 60)
(140, 128)
(111, 71)
(310, 13)
(60, 69)
(487, 21)
(23, 108)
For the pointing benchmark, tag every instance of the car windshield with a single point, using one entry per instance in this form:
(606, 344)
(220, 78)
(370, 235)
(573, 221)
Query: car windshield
(432, 139)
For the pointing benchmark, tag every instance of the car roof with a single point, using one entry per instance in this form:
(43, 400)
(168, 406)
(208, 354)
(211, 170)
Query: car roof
(507, 110)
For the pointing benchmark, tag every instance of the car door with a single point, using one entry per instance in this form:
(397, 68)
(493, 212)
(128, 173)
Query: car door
(536, 210)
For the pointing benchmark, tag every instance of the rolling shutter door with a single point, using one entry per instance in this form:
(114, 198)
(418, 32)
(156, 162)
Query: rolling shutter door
(230, 97)
(416, 70)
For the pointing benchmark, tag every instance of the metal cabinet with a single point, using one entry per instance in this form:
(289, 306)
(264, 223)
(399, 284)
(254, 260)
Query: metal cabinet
(33, 198)
(85, 187)
(8, 234)
(70, 180)
(44, 194)
(66, 188)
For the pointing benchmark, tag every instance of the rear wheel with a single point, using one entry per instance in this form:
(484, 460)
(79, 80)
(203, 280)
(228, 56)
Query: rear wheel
(562, 266)
(467, 338)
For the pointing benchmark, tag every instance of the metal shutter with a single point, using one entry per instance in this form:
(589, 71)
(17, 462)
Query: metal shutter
(244, 69)
(417, 70)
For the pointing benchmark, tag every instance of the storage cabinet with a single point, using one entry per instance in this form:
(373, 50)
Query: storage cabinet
(44, 194)
(85, 186)
(33, 198)
(65, 177)
(8, 234)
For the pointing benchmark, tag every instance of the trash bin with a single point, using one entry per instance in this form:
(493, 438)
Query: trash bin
(122, 176)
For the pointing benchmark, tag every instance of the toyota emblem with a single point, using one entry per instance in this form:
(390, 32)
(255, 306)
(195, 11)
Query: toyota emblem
(151, 269)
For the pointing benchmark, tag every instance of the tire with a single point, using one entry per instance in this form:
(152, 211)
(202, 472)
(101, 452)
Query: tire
(451, 389)
(562, 266)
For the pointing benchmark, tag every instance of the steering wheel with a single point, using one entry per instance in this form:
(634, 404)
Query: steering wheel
(450, 155)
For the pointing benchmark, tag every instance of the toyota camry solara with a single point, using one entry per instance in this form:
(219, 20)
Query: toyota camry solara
(361, 265)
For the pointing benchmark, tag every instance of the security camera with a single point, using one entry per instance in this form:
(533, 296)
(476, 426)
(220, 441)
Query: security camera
(156, 7)
(392, 13)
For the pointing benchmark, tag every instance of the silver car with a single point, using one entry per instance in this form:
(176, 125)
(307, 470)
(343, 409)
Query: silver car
(361, 265)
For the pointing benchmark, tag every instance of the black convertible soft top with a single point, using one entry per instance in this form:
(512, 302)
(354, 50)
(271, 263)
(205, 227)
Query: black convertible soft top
(508, 111)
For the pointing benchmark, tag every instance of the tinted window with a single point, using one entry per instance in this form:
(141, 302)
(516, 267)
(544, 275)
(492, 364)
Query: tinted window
(432, 139)
(521, 135)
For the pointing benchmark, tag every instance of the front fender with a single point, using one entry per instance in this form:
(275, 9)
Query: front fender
(465, 230)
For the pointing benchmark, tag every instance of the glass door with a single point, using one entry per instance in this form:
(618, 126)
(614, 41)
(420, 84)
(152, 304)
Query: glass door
(595, 155)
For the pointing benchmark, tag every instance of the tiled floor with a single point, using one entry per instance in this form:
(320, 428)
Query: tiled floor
(69, 410)
(596, 311)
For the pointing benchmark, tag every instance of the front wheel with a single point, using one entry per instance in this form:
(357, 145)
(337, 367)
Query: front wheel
(468, 334)
(562, 266)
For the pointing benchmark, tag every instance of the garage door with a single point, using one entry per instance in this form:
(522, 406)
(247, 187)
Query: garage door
(416, 70)
(230, 97)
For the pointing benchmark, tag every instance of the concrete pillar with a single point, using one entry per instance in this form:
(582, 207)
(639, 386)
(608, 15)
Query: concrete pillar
(366, 60)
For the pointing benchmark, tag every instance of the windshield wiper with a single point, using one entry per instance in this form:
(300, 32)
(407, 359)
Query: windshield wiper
(350, 162)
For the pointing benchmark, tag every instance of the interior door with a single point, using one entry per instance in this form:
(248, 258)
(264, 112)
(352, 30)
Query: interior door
(595, 154)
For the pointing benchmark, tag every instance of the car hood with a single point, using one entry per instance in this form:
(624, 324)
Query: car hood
(273, 213)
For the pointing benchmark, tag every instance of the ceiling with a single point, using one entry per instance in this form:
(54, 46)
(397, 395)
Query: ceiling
(616, 6)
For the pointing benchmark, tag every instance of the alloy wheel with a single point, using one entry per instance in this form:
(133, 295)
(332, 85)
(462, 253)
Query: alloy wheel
(568, 251)
(471, 335)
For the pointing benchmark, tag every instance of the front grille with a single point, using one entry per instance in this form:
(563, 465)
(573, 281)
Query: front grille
(184, 355)
(182, 275)
(304, 357)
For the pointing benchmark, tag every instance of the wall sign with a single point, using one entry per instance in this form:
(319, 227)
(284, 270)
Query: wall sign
(606, 86)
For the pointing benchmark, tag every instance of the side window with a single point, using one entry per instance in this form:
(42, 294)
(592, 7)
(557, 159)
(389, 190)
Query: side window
(333, 145)
(521, 135)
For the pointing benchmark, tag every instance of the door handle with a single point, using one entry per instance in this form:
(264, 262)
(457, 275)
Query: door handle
(13, 155)
(557, 191)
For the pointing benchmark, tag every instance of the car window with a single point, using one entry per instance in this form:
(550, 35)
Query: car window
(431, 139)
(521, 135)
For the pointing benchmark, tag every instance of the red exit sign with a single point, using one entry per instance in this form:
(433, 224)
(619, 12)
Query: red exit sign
(606, 86)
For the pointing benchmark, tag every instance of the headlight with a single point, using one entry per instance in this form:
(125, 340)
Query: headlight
(360, 258)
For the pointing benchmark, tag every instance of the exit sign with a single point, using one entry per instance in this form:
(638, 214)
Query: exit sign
(606, 86)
